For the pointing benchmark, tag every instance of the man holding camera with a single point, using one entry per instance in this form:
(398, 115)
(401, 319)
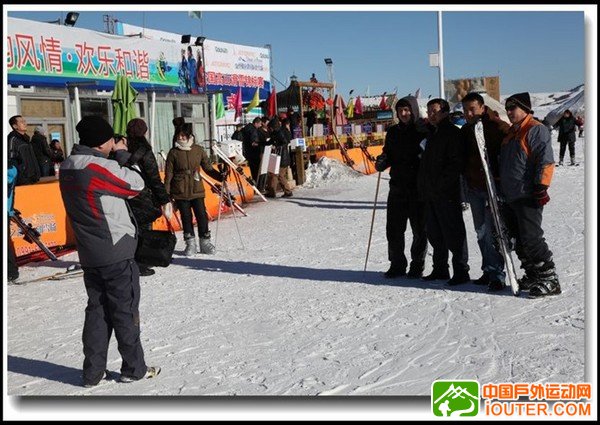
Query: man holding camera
(94, 189)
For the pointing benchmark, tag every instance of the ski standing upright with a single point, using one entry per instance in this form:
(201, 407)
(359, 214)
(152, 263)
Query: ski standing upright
(501, 234)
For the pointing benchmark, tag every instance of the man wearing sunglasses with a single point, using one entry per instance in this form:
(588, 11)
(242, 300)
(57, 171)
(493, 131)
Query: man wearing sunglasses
(526, 168)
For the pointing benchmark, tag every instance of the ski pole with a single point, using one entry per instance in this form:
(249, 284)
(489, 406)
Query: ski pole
(231, 201)
(372, 219)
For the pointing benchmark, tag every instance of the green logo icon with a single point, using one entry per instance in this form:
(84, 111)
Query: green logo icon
(455, 398)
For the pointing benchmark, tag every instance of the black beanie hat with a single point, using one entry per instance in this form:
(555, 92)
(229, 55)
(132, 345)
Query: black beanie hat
(136, 128)
(94, 131)
(522, 100)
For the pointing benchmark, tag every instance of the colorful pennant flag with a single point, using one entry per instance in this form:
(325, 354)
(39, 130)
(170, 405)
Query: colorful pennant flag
(219, 106)
(350, 108)
(272, 104)
(254, 102)
(238, 104)
(358, 106)
(382, 103)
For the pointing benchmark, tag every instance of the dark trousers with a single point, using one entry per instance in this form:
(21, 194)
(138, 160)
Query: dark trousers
(13, 269)
(563, 148)
(523, 218)
(399, 212)
(185, 208)
(113, 303)
(254, 165)
(446, 231)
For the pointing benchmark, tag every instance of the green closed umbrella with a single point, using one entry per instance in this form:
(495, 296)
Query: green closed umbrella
(123, 99)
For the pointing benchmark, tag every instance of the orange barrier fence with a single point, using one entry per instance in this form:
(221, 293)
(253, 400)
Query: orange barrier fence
(361, 162)
(41, 205)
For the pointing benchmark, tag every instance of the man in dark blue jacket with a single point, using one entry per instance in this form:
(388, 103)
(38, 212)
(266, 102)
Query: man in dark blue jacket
(439, 185)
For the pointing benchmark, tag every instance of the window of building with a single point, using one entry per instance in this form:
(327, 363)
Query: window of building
(95, 107)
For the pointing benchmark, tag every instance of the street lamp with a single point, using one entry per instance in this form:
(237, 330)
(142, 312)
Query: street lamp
(200, 41)
(71, 19)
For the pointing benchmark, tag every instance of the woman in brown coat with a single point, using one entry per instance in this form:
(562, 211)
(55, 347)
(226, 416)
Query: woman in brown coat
(184, 184)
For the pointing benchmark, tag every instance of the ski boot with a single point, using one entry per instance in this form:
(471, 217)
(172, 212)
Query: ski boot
(190, 245)
(205, 246)
(545, 280)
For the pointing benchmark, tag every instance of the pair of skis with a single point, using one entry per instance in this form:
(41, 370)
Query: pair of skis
(498, 222)
(71, 272)
(344, 152)
(31, 234)
(238, 169)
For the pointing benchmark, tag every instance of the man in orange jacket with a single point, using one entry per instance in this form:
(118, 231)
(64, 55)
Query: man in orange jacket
(526, 168)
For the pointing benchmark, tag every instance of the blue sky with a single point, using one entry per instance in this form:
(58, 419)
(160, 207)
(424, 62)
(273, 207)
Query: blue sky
(531, 51)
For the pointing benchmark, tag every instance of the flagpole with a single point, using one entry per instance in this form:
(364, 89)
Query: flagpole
(441, 55)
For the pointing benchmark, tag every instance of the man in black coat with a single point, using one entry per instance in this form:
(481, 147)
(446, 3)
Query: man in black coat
(250, 146)
(39, 143)
(566, 136)
(20, 152)
(401, 152)
(439, 186)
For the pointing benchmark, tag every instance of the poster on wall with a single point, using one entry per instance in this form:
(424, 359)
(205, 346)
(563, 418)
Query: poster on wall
(216, 65)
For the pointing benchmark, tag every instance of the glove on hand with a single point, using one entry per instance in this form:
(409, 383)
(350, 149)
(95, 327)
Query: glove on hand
(381, 162)
(540, 194)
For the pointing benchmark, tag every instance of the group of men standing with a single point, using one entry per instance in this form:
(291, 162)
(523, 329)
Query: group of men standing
(430, 161)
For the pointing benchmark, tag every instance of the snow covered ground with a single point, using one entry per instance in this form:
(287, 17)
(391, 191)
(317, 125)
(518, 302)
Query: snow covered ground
(294, 314)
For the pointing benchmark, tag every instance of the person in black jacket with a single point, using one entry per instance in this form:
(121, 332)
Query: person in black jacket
(401, 152)
(280, 138)
(39, 143)
(20, 152)
(251, 146)
(439, 185)
(566, 136)
(153, 200)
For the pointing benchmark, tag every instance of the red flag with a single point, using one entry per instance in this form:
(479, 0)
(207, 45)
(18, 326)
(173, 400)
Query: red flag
(271, 104)
(238, 104)
(358, 106)
(383, 104)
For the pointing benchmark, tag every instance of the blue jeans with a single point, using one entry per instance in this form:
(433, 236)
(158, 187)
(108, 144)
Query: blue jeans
(492, 262)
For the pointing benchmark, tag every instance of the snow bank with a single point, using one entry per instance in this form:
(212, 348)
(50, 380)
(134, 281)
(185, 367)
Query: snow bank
(326, 171)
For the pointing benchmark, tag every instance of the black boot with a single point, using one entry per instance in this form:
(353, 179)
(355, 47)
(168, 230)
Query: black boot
(438, 275)
(395, 271)
(415, 271)
(545, 280)
(145, 270)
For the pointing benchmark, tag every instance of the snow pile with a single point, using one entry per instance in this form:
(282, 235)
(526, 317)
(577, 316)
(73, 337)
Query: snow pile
(328, 170)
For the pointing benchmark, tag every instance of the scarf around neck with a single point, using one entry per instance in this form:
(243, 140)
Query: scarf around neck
(185, 145)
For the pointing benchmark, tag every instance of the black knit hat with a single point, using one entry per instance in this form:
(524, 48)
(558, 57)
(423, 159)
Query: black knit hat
(136, 128)
(522, 100)
(94, 131)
